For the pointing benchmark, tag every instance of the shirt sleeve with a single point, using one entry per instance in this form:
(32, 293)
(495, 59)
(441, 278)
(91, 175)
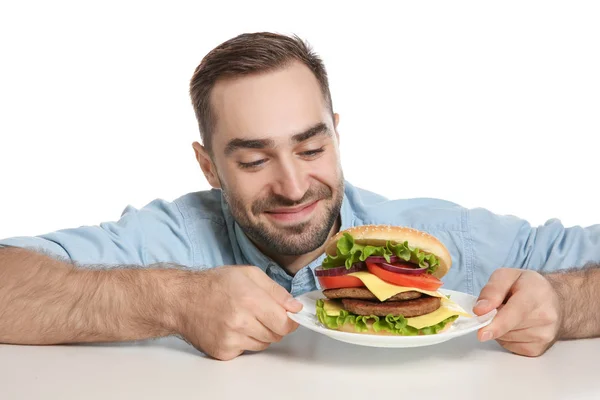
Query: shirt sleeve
(152, 234)
(507, 241)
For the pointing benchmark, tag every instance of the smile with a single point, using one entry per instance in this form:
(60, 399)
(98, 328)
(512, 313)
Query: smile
(295, 214)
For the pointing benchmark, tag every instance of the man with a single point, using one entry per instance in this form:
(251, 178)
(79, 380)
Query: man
(220, 267)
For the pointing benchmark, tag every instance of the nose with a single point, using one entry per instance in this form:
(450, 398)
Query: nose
(291, 180)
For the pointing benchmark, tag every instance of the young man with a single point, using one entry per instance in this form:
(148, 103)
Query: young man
(220, 267)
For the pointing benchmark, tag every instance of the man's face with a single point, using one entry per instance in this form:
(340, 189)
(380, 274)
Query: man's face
(275, 149)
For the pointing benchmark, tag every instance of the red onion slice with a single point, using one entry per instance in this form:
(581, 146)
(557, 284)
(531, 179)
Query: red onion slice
(404, 268)
(338, 271)
(381, 259)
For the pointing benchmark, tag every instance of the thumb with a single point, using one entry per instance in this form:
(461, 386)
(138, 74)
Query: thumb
(293, 305)
(277, 292)
(496, 290)
(284, 298)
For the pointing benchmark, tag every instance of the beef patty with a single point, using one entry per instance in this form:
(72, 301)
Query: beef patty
(406, 308)
(361, 293)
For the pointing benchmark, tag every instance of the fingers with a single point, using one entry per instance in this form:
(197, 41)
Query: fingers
(533, 349)
(271, 303)
(510, 316)
(236, 347)
(496, 290)
(258, 331)
(252, 344)
(276, 291)
(254, 337)
(539, 334)
(274, 318)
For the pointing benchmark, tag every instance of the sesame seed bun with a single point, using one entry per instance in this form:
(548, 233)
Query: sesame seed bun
(377, 235)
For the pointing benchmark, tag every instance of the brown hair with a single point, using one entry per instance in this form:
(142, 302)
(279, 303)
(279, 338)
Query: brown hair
(249, 53)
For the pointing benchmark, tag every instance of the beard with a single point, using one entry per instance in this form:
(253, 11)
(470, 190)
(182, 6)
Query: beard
(290, 240)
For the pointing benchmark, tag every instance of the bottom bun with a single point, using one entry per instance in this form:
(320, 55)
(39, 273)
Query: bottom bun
(350, 329)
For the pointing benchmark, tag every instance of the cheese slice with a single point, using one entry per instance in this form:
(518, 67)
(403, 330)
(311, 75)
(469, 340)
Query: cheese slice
(383, 290)
(447, 309)
(332, 308)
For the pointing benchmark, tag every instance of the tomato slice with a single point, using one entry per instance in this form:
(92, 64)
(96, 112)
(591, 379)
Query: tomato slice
(342, 281)
(422, 281)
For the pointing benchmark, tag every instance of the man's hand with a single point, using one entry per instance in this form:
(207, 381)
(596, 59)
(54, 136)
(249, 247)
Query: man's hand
(529, 312)
(221, 311)
(227, 310)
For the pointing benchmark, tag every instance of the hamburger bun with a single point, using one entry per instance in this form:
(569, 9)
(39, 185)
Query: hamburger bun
(378, 235)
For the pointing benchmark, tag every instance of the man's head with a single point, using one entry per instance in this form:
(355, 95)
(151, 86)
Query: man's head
(270, 141)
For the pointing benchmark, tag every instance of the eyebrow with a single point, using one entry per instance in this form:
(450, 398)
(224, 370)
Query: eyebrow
(318, 129)
(237, 144)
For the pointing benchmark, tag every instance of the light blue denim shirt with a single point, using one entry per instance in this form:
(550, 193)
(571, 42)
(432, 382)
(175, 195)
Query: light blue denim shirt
(198, 231)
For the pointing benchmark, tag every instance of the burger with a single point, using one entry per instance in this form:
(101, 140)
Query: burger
(384, 280)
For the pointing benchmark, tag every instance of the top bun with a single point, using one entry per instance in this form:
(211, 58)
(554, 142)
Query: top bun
(378, 235)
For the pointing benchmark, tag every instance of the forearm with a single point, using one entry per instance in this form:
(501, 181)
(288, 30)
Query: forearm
(45, 301)
(579, 294)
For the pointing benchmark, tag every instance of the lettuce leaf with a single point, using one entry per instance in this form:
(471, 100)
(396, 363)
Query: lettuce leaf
(349, 252)
(397, 325)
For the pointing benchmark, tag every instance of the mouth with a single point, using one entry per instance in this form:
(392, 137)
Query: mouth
(293, 214)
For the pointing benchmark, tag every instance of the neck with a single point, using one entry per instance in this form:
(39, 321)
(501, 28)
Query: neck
(293, 264)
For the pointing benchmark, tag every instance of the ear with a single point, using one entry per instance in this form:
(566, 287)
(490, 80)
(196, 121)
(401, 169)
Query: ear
(207, 165)
(336, 121)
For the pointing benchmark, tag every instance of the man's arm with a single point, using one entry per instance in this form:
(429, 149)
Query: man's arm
(579, 294)
(222, 311)
(537, 310)
(46, 301)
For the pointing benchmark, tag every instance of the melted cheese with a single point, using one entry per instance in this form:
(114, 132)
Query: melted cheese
(446, 310)
(332, 308)
(383, 290)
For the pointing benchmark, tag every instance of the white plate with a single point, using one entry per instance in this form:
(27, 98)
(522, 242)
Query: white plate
(461, 326)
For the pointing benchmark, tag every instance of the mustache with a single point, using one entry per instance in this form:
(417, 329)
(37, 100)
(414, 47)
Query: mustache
(278, 201)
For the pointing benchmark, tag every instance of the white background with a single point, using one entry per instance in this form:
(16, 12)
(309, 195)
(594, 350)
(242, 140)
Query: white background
(488, 104)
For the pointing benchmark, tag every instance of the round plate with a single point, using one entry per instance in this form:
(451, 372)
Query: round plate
(463, 325)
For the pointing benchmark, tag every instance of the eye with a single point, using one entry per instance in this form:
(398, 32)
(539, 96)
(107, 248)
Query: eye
(312, 153)
(252, 164)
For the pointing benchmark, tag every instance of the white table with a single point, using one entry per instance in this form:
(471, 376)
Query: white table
(305, 365)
